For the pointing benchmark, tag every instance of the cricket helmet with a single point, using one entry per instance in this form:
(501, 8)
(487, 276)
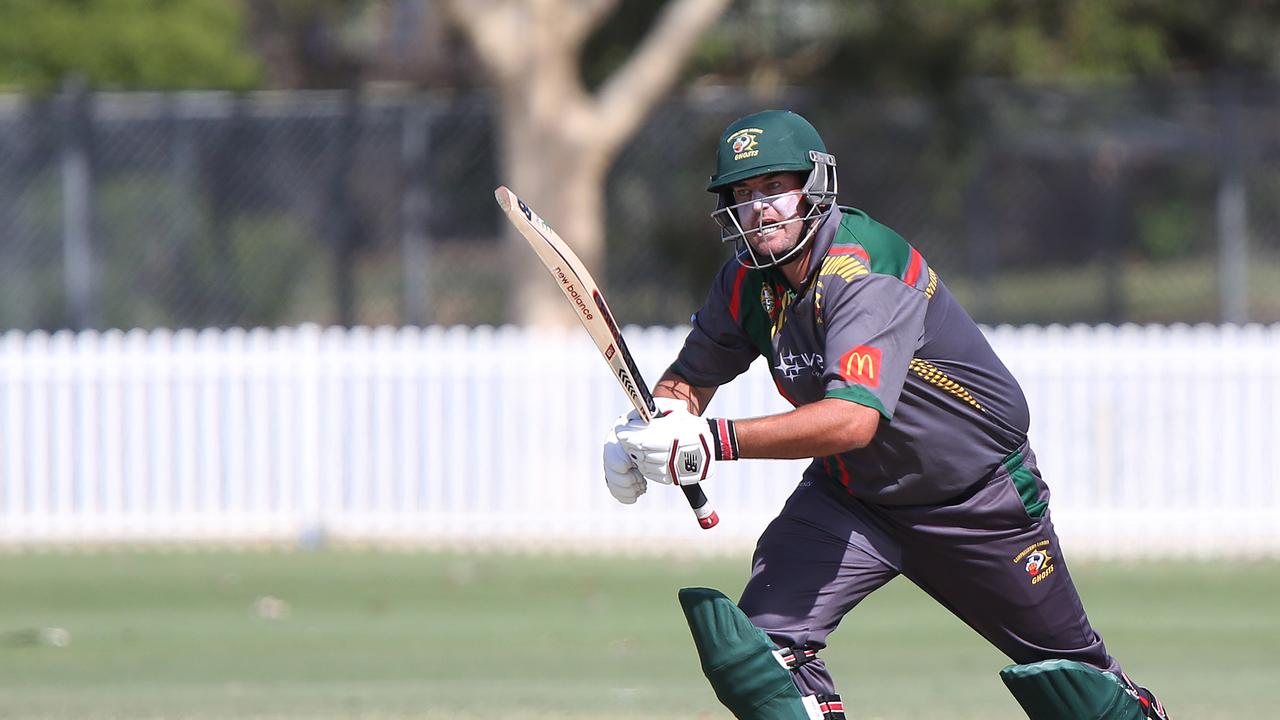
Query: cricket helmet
(762, 143)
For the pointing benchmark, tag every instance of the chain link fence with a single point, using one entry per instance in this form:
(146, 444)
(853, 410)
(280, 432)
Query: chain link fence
(1148, 204)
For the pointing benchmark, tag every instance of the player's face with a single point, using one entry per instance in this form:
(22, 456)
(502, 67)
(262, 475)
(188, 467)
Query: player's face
(765, 203)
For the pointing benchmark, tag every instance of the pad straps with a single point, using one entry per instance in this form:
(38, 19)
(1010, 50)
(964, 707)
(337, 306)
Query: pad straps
(821, 707)
(792, 659)
(824, 707)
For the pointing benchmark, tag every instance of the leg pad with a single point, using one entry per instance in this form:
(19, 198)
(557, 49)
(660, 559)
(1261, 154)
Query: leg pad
(1068, 690)
(738, 658)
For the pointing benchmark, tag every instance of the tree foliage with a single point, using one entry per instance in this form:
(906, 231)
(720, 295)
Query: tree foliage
(558, 137)
(933, 47)
(125, 44)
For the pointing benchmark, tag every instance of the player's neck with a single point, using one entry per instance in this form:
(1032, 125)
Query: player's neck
(797, 270)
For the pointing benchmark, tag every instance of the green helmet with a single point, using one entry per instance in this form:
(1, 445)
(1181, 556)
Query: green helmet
(772, 141)
(766, 142)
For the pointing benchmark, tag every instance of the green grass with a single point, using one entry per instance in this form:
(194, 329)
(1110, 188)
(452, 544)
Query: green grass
(384, 635)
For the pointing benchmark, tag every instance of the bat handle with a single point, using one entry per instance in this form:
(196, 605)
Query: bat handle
(698, 500)
(707, 516)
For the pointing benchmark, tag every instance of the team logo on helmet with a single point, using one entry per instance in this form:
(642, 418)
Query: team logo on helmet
(1036, 561)
(743, 143)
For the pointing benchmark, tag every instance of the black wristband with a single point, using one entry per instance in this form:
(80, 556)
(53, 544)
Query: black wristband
(726, 438)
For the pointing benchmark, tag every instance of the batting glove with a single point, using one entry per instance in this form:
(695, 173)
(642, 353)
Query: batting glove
(621, 475)
(679, 447)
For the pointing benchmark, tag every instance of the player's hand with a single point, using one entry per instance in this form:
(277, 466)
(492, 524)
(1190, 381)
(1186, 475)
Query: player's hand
(621, 475)
(679, 447)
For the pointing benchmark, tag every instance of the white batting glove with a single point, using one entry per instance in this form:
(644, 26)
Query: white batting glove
(679, 448)
(664, 405)
(621, 475)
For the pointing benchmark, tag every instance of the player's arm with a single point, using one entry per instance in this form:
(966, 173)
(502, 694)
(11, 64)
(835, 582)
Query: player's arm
(673, 386)
(682, 447)
(873, 325)
(826, 427)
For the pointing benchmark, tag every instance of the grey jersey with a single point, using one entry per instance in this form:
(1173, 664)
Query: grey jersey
(873, 325)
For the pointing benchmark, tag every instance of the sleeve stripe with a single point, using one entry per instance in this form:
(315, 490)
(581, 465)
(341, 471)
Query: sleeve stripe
(735, 299)
(860, 395)
(844, 472)
(855, 250)
(913, 268)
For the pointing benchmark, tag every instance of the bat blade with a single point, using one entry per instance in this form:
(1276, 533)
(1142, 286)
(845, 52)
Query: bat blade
(584, 295)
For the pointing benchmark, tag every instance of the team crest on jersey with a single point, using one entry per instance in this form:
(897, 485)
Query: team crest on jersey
(1036, 561)
(743, 143)
(769, 302)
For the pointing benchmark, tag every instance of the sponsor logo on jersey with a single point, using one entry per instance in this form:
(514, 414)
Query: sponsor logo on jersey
(861, 366)
(791, 364)
(1036, 561)
(743, 143)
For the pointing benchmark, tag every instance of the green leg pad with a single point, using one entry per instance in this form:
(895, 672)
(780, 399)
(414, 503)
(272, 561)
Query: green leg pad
(1068, 690)
(737, 657)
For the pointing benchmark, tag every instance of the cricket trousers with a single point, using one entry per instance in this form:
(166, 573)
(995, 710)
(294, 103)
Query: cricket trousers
(990, 556)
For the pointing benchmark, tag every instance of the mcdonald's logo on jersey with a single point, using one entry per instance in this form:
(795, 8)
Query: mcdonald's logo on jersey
(861, 365)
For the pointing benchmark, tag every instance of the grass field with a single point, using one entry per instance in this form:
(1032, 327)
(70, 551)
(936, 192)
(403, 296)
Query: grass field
(384, 635)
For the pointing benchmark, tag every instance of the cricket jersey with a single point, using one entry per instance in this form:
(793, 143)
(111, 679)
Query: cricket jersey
(873, 324)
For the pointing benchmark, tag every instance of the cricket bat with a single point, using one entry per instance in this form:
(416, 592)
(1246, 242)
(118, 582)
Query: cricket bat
(593, 312)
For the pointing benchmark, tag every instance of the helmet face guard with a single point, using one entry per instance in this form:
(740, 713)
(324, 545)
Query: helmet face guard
(818, 193)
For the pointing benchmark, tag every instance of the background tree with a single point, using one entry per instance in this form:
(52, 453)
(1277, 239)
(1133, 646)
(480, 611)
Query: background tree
(933, 48)
(557, 138)
(142, 44)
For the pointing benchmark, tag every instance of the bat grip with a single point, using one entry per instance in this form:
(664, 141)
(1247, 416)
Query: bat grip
(698, 500)
(707, 516)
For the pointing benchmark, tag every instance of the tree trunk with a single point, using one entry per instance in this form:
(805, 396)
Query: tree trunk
(564, 184)
(557, 140)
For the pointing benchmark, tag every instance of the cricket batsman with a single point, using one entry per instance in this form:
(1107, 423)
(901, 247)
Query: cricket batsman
(918, 436)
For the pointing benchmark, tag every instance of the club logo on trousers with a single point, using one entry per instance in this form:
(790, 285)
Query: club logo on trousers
(1036, 561)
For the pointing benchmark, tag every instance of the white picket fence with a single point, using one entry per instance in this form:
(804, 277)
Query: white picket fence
(1157, 441)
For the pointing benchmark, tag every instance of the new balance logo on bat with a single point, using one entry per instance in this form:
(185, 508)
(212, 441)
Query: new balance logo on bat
(572, 291)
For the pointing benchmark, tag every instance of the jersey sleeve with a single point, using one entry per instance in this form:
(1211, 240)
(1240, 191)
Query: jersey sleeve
(718, 349)
(874, 324)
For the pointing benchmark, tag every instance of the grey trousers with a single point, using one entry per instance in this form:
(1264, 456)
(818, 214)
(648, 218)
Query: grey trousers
(981, 555)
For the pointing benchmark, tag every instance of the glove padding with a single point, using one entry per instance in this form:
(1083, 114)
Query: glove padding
(678, 448)
(621, 475)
